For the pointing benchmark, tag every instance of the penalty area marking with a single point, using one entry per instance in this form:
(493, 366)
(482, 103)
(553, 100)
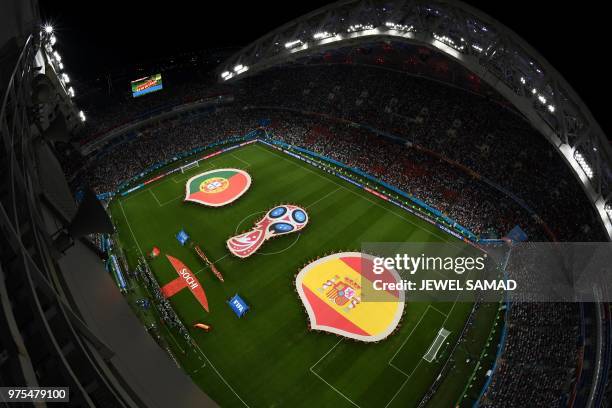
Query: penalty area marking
(219, 374)
(239, 159)
(408, 338)
(180, 179)
(328, 384)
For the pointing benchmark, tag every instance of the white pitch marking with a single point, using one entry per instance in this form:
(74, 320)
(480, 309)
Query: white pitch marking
(242, 160)
(324, 197)
(444, 238)
(322, 379)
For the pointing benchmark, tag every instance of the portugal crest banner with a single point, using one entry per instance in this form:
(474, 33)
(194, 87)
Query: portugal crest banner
(216, 188)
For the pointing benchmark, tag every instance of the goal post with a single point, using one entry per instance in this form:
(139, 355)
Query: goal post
(435, 346)
(190, 166)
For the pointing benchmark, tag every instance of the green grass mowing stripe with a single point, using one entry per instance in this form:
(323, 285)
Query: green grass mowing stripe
(391, 208)
(273, 341)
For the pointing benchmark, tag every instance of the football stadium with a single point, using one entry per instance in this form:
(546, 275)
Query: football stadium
(373, 204)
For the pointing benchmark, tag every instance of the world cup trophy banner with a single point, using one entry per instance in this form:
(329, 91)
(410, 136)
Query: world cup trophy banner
(280, 220)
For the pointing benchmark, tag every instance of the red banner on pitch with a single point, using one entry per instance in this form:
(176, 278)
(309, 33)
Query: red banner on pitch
(186, 279)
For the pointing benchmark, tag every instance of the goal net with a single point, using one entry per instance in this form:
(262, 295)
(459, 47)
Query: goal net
(435, 346)
(190, 166)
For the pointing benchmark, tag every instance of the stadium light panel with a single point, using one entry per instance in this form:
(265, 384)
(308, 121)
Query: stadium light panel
(292, 44)
(243, 68)
(61, 66)
(48, 28)
(71, 92)
(238, 67)
(225, 74)
(359, 27)
(398, 27)
(323, 35)
(608, 209)
(57, 56)
(448, 41)
(542, 99)
(584, 164)
(82, 116)
(551, 108)
(66, 78)
(53, 40)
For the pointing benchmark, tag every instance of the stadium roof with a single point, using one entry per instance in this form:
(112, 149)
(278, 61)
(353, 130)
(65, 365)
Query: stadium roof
(480, 43)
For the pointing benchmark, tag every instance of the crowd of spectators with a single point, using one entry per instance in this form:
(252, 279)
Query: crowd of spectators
(163, 306)
(540, 357)
(427, 178)
(121, 108)
(161, 143)
(489, 139)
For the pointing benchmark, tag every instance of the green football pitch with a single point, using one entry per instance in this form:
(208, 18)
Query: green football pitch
(269, 358)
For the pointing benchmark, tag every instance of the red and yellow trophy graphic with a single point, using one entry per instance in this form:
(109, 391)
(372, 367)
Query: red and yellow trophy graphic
(331, 289)
(281, 220)
(216, 188)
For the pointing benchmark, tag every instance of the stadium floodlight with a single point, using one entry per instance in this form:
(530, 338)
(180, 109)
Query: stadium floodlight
(448, 41)
(57, 56)
(359, 27)
(225, 74)
(82, 116)
(523, 81)
(239, 69)
(534, 91)
(477, 47)
(66, 78)
(584, 164)
(48, 28)
(398, 27)
(323, 35)
(61, 66)
(71, 92)
(542, 99)
(551, 108)
(608, 209)
(53, 40)
(292, 44)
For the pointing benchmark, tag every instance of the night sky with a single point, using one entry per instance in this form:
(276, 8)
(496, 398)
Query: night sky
(100, 37)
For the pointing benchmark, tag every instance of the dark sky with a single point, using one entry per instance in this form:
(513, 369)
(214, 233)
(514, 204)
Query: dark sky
(97, 37)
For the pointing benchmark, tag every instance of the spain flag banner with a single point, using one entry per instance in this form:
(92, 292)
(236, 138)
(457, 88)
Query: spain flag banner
(216, 188)
(331, 290)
